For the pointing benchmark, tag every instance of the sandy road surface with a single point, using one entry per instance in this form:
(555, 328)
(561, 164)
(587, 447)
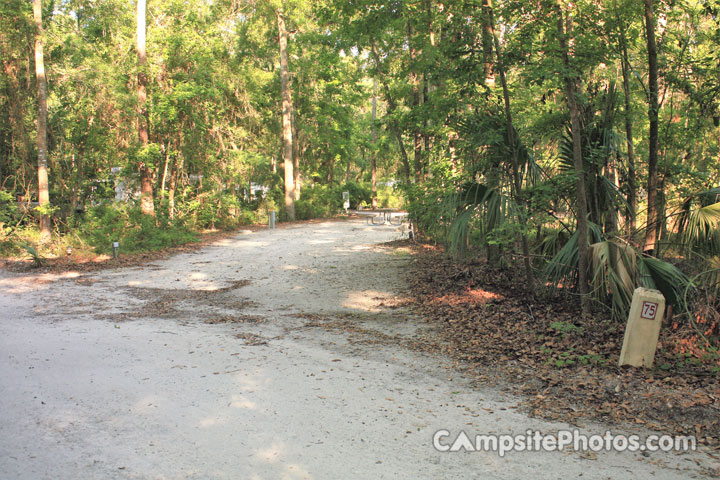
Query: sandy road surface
(223, 364)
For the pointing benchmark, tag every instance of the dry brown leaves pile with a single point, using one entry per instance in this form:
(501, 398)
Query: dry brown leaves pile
(564, 367)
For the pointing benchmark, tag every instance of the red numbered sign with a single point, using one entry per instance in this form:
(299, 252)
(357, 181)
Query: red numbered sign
(649, 310)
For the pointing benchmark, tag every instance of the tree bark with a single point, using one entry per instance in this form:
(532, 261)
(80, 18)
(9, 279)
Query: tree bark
(517, 178)
(43, 193)
(571, 90)
(147, 206)
(287, 140)
(165, 173)
(631, 221)
(487, 42)
(415, 103)
(373, 156)
(652, 182)
(296, 156)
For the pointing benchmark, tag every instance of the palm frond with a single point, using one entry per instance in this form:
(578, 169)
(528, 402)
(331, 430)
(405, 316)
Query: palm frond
(701, 230)
(666, 277)
(562, 269)
(614, 277)
(38, 260)
(617, 270)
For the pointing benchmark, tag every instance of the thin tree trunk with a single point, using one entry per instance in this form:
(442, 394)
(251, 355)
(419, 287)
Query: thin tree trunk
(147, 206)
(564, 30)
(452, 153)
(517, 179)
(631, 222)
(165, 173)
(487, 42)
(174, 180)
(661, 231)
(611, 215)
(171, 195)
(652, 182)
(427, 140)
(296, 156)
(43, 193)
(373, 156)
(287, 139)
(415, 103)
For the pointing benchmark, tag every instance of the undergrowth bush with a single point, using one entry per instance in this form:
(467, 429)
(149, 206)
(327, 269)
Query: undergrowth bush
(126, 224)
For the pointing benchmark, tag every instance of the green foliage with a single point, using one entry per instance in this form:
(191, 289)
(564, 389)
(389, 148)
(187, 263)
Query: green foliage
(666, 277)
(565, 327)
(699, 223)
(48, 209)
(147, 155)
(135, 232)
(562, 269)
(473, 171)
(214, 210)
(322, 201)
(390, 197)
(428, 211)
(359, 193)
(8, 210)
(617, 270)
(569, 357)
(38, 260)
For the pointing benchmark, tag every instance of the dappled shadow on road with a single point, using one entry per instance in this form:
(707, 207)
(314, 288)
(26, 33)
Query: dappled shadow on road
(13, 283)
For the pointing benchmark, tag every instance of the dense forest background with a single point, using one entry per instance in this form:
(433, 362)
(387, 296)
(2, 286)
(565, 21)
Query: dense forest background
(580, 140)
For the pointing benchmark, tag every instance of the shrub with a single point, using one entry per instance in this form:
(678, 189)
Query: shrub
(136, 232)
(8, 209)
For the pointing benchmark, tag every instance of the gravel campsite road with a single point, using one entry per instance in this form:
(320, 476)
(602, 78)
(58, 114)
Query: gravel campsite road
(274, 354)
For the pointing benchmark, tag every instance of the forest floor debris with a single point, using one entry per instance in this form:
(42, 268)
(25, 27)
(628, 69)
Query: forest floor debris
(565, 368)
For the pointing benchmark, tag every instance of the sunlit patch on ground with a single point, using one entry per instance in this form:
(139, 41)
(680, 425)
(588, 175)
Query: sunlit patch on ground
(471, 296)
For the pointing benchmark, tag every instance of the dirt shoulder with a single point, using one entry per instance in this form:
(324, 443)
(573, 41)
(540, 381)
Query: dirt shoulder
(85, 263)
(564, 368)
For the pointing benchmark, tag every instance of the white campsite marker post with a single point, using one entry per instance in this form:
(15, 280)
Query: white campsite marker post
(346, 201)
(643, 328)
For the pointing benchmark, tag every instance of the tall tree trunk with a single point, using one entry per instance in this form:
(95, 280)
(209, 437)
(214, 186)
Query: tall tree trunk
(517, 178)
(415, 104)
(652, 182)
(165, 172)
(43, 193)
(611, 214)
(373, 156)
(571, 91)
(487, 42)
(171, 194)
(661, 231)
(631, 222)
(427, 140)
(174, 180)
(287, 138)
(296, 156)
(147, 206)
